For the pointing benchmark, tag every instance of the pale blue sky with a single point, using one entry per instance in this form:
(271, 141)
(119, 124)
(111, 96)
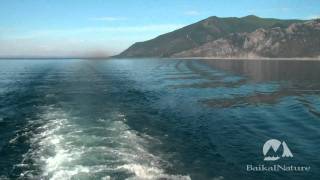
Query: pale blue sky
(104, 27)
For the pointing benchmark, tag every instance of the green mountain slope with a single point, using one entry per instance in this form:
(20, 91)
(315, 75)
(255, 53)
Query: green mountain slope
(200, 33)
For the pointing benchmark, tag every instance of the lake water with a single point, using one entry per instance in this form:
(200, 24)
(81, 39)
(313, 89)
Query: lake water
(157, 118)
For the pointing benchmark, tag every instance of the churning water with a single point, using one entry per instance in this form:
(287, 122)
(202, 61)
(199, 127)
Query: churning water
(156, 118)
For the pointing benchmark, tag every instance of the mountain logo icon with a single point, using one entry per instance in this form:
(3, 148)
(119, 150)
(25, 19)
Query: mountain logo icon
(272, 146)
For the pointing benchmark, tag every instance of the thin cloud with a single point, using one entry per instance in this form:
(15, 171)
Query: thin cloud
(144, 28)
(285, 9)
(108, 18)
(192, 13)
(314, 17)
(270, 10)
(114, 29)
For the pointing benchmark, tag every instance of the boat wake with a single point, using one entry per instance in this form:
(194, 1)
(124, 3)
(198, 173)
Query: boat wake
(64, 147)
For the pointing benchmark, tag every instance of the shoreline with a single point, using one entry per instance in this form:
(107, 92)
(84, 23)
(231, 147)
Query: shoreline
(175, 58)
(253, 59)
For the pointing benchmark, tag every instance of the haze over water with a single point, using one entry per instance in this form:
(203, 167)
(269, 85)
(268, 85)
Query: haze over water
(156, 118)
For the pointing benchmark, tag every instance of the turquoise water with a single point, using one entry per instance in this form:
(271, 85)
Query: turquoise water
(156, 118)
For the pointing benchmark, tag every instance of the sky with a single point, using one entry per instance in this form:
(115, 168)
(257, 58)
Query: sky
(56, 28)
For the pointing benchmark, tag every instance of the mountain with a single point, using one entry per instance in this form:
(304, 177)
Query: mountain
(297, 40)
(200, 33)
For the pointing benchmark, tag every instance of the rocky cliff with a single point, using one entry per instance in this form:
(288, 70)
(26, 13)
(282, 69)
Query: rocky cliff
(296, 40)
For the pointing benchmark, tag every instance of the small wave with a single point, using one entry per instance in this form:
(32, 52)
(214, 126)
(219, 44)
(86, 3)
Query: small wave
(4, 177)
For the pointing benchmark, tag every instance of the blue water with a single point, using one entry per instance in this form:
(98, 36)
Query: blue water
(156, 118)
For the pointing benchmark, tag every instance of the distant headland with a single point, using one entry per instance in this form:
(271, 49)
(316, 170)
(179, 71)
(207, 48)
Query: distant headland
(246, 37)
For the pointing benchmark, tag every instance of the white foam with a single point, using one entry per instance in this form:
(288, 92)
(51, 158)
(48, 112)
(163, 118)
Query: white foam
(147, 172)
(14, 140)
(106, 178)
(142, 171)
(68, 174)
(62, 147)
